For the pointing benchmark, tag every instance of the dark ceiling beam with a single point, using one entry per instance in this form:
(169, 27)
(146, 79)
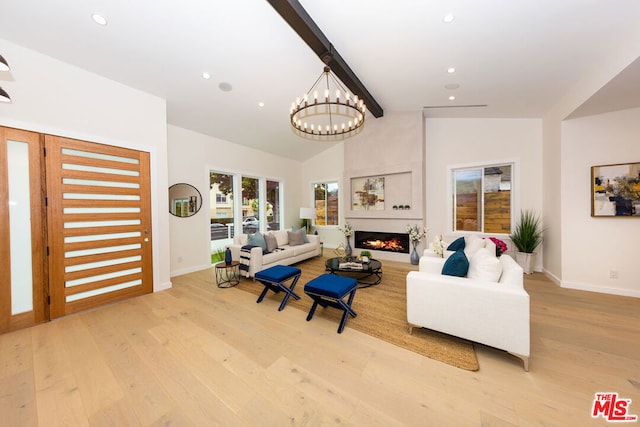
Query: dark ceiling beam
(298, 18)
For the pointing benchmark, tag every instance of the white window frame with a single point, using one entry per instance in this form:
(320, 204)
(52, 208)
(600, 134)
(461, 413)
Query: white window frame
(313, 201)
(515, 192)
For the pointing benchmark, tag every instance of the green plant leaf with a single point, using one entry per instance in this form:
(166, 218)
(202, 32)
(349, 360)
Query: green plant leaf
(527, 234)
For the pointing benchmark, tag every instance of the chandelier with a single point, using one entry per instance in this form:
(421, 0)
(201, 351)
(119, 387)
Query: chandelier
(319, 116)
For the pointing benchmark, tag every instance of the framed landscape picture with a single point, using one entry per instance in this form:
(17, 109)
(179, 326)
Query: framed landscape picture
(615, 190)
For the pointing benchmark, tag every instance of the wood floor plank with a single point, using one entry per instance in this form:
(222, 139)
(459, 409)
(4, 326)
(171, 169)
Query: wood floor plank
(196, 355)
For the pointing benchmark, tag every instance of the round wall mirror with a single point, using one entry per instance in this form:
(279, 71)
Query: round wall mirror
(184, 200)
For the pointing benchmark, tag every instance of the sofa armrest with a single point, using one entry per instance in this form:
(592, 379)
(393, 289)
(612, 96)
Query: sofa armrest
(255, 261)
(431, 264)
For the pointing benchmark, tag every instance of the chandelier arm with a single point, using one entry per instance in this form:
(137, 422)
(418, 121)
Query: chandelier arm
(315, 84)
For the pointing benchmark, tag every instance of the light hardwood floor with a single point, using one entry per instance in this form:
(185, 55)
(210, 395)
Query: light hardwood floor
(200, 355)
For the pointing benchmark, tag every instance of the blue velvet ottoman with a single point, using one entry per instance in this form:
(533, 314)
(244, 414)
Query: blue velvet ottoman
(330, 290)
(275, 278)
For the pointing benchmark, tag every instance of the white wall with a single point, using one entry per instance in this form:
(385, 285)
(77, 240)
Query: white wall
(323, 167)
(191, 156)
(592, 247)
(52, 97)
(459, 141)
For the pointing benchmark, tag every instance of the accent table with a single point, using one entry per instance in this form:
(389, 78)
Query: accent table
(227, 275)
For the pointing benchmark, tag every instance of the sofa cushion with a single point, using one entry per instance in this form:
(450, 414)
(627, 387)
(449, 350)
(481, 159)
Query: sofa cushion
(257, 239)
(456, 265)
(279, 255)
(485, 266)
(295, 238)
(304, 248)
(282, 237)
(272, 242)
(456, 245)
(472, 244)
(304, 233)
(489, 244)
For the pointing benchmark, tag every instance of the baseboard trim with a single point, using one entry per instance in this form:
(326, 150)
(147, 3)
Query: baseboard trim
(189, 270)
(601, 289)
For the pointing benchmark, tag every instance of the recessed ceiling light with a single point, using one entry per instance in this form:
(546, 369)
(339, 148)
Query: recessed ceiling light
(99, 19)
(260, 104)
(206, 76)
(451, 70)
(225, 87)
(451, 86)
(452, 98)
(448, 18)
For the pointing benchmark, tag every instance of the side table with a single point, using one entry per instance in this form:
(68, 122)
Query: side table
(227, 275)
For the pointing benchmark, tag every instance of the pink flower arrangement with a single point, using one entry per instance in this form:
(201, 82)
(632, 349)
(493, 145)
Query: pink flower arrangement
(501, 247)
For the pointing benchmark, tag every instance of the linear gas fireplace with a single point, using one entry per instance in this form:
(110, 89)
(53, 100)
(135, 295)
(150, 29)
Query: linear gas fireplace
(381, 241)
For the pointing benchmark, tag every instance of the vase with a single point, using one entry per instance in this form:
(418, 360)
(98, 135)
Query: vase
(526, 261)
(415, 258)
(227, 256)
(347, 249)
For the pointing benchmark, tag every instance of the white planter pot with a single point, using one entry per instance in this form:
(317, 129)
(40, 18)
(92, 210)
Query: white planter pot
(526, 261)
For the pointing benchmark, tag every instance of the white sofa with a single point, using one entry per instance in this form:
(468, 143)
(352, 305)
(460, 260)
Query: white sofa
(491, 313)
(284, 255)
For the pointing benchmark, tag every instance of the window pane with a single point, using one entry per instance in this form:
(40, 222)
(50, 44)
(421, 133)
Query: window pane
(326, 203)
(332, 203)
(250, 205)
(467, 184)
(497, 199)
(221, 209)
(273, 204)
(320, 198)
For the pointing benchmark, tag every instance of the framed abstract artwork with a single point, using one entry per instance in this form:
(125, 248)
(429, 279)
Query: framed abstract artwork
(615, 190)
(367, 193)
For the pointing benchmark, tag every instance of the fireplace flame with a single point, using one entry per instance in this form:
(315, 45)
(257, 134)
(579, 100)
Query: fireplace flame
(392, 244)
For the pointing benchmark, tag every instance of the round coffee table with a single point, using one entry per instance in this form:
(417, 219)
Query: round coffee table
(369, 275)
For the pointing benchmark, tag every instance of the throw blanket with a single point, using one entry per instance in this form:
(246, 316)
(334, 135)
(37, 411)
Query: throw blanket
(245, 257)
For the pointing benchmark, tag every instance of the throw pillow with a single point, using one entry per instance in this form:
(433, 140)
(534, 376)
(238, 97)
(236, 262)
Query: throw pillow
(272, 242)
(456, 245)
(485, 266)
(456, 265)
(257, 239)
(488, 243)
(295, 238)
(472, 245)
(304, 233)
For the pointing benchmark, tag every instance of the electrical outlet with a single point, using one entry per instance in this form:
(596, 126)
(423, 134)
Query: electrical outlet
(179, 259)
(613, 274)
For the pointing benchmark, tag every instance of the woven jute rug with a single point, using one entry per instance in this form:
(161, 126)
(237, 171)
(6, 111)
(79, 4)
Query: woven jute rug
(382, 313)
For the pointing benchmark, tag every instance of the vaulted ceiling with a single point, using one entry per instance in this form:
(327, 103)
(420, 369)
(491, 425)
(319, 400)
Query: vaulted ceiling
(516, 57)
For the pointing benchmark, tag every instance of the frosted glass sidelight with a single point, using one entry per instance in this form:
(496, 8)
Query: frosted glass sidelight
(20, 227)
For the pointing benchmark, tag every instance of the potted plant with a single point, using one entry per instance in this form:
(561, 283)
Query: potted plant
(527, 236)
(365, 256)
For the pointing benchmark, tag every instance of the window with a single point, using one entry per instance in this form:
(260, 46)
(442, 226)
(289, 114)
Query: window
(482, 199)
(221, 198)
(273, 204)
(326, 203)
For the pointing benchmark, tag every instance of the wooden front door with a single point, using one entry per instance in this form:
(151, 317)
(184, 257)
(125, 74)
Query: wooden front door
(22, 230)
(99, 224)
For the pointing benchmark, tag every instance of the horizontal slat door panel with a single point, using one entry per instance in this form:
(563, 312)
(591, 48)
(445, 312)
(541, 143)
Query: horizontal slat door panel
(100, 207)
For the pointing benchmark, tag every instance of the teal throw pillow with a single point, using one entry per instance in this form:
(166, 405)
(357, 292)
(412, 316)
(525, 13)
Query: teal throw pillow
(456, 245)
(456, 265)
(257, 239)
